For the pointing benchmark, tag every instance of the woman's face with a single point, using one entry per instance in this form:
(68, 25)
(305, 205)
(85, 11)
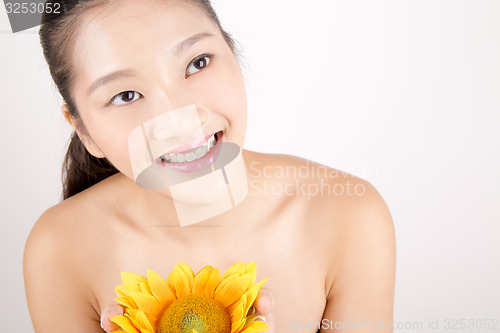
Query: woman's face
(155, 57)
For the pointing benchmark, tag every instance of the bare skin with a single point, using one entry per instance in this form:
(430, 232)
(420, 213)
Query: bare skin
(329, 255)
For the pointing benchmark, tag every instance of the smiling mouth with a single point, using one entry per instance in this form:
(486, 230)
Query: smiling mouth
(191, 155)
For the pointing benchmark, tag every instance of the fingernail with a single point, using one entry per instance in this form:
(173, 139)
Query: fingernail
(267, 299)
(263, 318)
(103, 315)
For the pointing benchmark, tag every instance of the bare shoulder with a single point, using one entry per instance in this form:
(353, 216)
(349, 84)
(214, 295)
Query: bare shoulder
(66, 222)
(72, 228)
(55, 265)
(317, 183)
(317, 186)
(344, 216)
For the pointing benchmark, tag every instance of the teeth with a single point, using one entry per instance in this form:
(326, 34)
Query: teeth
(190, 157)
(194, 155)
(180, 157)
(201, 151)
(211, 141)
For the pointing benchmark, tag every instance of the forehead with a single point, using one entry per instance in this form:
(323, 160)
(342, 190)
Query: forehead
(131, 32)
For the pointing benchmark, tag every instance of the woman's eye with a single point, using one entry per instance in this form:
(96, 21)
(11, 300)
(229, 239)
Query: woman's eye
(125, 97)
(198, 64)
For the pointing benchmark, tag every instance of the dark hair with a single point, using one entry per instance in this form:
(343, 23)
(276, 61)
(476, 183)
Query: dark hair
(80, 169)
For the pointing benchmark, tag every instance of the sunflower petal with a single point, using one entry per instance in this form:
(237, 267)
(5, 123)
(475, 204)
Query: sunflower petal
(233, 308)
(189, 273)
(131, 314)
(201, 280)
(124, 323)
(224, 282)
(132, 278)
(139, 320)
(252, 294)
(255, 327)
(153, 320)
(146, 298)
(121, 290)
(130, 288)
(238, 269)
(238, 326)
(146, 303)
(212, 283)
(233, 290)
(160, 289)
(238, 318)
(236, 310)
(126, 301)
(251, 268)
(152, 317)
(178, 281)
(144, 286)
(144, 322)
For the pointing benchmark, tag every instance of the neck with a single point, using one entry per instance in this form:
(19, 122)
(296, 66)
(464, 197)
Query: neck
(155, 214)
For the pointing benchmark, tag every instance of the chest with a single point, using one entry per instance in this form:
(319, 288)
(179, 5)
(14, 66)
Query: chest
(295, 268)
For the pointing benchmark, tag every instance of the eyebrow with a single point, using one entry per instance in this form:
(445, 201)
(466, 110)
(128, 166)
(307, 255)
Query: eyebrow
(110, 77)
(178, 48)
(190, 42)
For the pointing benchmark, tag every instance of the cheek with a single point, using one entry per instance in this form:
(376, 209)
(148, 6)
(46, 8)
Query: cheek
(224, 91)
(114, 144)
(111, 136)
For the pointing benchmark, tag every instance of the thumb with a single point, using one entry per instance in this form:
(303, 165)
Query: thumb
(107, 313)
(265, 301)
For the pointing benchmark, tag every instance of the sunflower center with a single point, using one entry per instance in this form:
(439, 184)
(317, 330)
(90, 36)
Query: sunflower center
(194, 313)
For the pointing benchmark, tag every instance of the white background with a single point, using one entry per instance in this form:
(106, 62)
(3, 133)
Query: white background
(402, 93)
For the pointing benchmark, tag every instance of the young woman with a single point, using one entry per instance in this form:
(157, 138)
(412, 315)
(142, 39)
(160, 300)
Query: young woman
(329, 255)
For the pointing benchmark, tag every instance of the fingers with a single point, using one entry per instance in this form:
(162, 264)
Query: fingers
(264, 305)
(265, 301)
(107, 313)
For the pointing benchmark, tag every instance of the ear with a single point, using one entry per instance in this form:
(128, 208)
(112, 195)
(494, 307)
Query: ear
(87, 141)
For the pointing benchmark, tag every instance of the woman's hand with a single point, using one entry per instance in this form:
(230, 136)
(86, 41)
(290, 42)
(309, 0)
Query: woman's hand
(107, 313)
(263, 306)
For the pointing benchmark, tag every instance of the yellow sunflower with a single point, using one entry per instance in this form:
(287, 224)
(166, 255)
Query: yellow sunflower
(187, 303)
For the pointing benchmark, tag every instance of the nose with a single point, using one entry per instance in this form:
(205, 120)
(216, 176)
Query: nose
(178, 123)
(179, 115)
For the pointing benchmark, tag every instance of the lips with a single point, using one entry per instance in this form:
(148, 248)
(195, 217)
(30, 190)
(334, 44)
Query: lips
(192, 157)
(191, 146)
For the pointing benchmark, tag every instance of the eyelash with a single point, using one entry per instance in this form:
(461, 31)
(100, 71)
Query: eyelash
(122, 93)
(201, 56)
